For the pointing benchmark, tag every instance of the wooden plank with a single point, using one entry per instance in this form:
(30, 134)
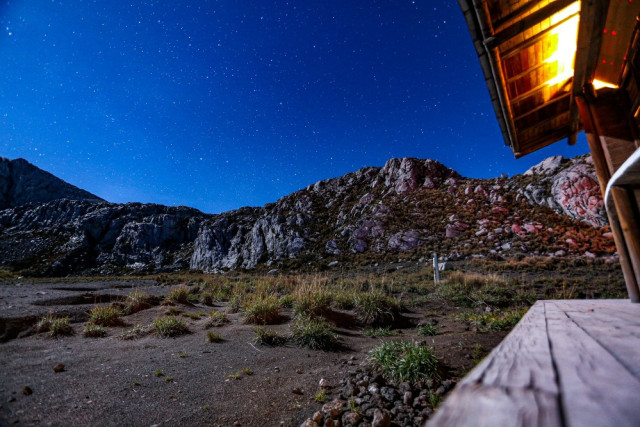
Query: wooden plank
(596, 389)
(614, 334)
(521, 360)
(515, 382)
(480, 405)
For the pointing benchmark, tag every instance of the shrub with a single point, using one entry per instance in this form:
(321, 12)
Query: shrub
(137, 300)
(105, 315)
(213, 337)
(179, 294)
(404, 361)
(170, 326)
(56, 326)
(91, 330)
(262, 309)
(375, 307)
(267, 336)
(427, 330)
(316, 334)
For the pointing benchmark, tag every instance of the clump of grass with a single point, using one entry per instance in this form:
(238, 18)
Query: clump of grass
(379, 332)
(136, 332)
(91, 330)
(170, 326)
(216, 319)
(316, 334)
(137, 300)
(428, 330)
(172, 311)
(496, 321)
(234, 376)
(213, 337)
(320, 396)
(235, 303)
(286, 301)
(344, 299)
(311, 300)
(262, 309)
(159, 373)
(267, 336)
(404, 361)
(179, 295)
(195, 316)
(375, 307)
(56, 326)
(105, 315)
(182, 354)
(247, 371)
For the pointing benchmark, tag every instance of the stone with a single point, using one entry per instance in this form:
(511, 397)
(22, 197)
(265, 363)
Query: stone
(323, 383)
(317, 417)
(309, 423)
(26, 390)
(297, 390)
(381, 418)
(58, 368)
(407, 398)
(334, 408)
(351, 418)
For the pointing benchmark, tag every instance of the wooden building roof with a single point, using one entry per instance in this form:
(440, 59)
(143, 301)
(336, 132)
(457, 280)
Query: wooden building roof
(536, 55)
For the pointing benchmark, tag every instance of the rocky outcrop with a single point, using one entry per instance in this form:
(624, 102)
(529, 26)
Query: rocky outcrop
(410, 206)
(22, 183)
(569, 187)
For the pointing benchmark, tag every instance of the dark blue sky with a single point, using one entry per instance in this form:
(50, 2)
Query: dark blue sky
(222, 104)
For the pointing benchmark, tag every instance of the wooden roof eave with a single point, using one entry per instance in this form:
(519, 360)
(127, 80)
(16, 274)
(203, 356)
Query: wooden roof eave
(488, 62)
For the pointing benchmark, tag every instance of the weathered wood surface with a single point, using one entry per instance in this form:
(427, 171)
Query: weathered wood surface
(573, 363)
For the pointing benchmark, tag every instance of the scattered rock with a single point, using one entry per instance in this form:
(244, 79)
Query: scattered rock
(333, 409)
(381, 418)
(26, 390)
(297, 390)
(59, 368)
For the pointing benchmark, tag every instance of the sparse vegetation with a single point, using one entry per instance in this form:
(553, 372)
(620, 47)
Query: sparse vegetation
(91, 330)
(170, 326)
(268, 336)
(216, 319)
(178, 295)
(404, 361)
(213, 337)
(247, 371)
(320, 396)
(105, 315)
(311, 299)
(136, 332)
(495, 321)
(375, 307)
(182, 354)
(428, 330)
(262, 309)
(55, 326)
(137, 300)
(379, 332)
(316, 334)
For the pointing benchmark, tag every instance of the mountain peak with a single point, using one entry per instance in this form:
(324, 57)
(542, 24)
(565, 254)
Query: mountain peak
(22, 182)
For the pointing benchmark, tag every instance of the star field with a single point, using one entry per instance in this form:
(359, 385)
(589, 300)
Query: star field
(222, 104)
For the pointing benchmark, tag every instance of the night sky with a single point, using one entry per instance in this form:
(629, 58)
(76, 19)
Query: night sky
(223, 104)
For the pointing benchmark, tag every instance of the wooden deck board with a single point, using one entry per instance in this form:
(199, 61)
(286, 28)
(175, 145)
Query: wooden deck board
(569, 362)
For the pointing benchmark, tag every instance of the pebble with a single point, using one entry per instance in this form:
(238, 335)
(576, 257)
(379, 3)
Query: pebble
(323, 383)
(27, 391)
(297, 390)
(58, 368)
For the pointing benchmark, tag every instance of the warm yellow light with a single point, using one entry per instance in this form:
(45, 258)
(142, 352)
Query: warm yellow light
(567, 35)
(598, 84)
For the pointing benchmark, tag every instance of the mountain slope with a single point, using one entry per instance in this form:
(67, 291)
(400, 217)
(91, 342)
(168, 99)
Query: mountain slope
(409, 206)
(22, 183)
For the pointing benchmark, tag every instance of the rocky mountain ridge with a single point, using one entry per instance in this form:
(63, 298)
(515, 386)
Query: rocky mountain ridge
(408, 208)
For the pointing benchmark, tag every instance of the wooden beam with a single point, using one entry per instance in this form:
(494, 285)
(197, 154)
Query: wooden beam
(541, 106)
(529, 21)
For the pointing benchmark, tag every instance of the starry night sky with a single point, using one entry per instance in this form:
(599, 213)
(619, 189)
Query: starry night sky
(223, 104)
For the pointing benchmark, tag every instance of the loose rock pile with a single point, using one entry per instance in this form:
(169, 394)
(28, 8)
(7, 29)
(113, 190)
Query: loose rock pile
(366, 399)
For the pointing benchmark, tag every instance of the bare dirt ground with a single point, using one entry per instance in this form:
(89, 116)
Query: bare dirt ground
(111, 381)
(187, 380)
